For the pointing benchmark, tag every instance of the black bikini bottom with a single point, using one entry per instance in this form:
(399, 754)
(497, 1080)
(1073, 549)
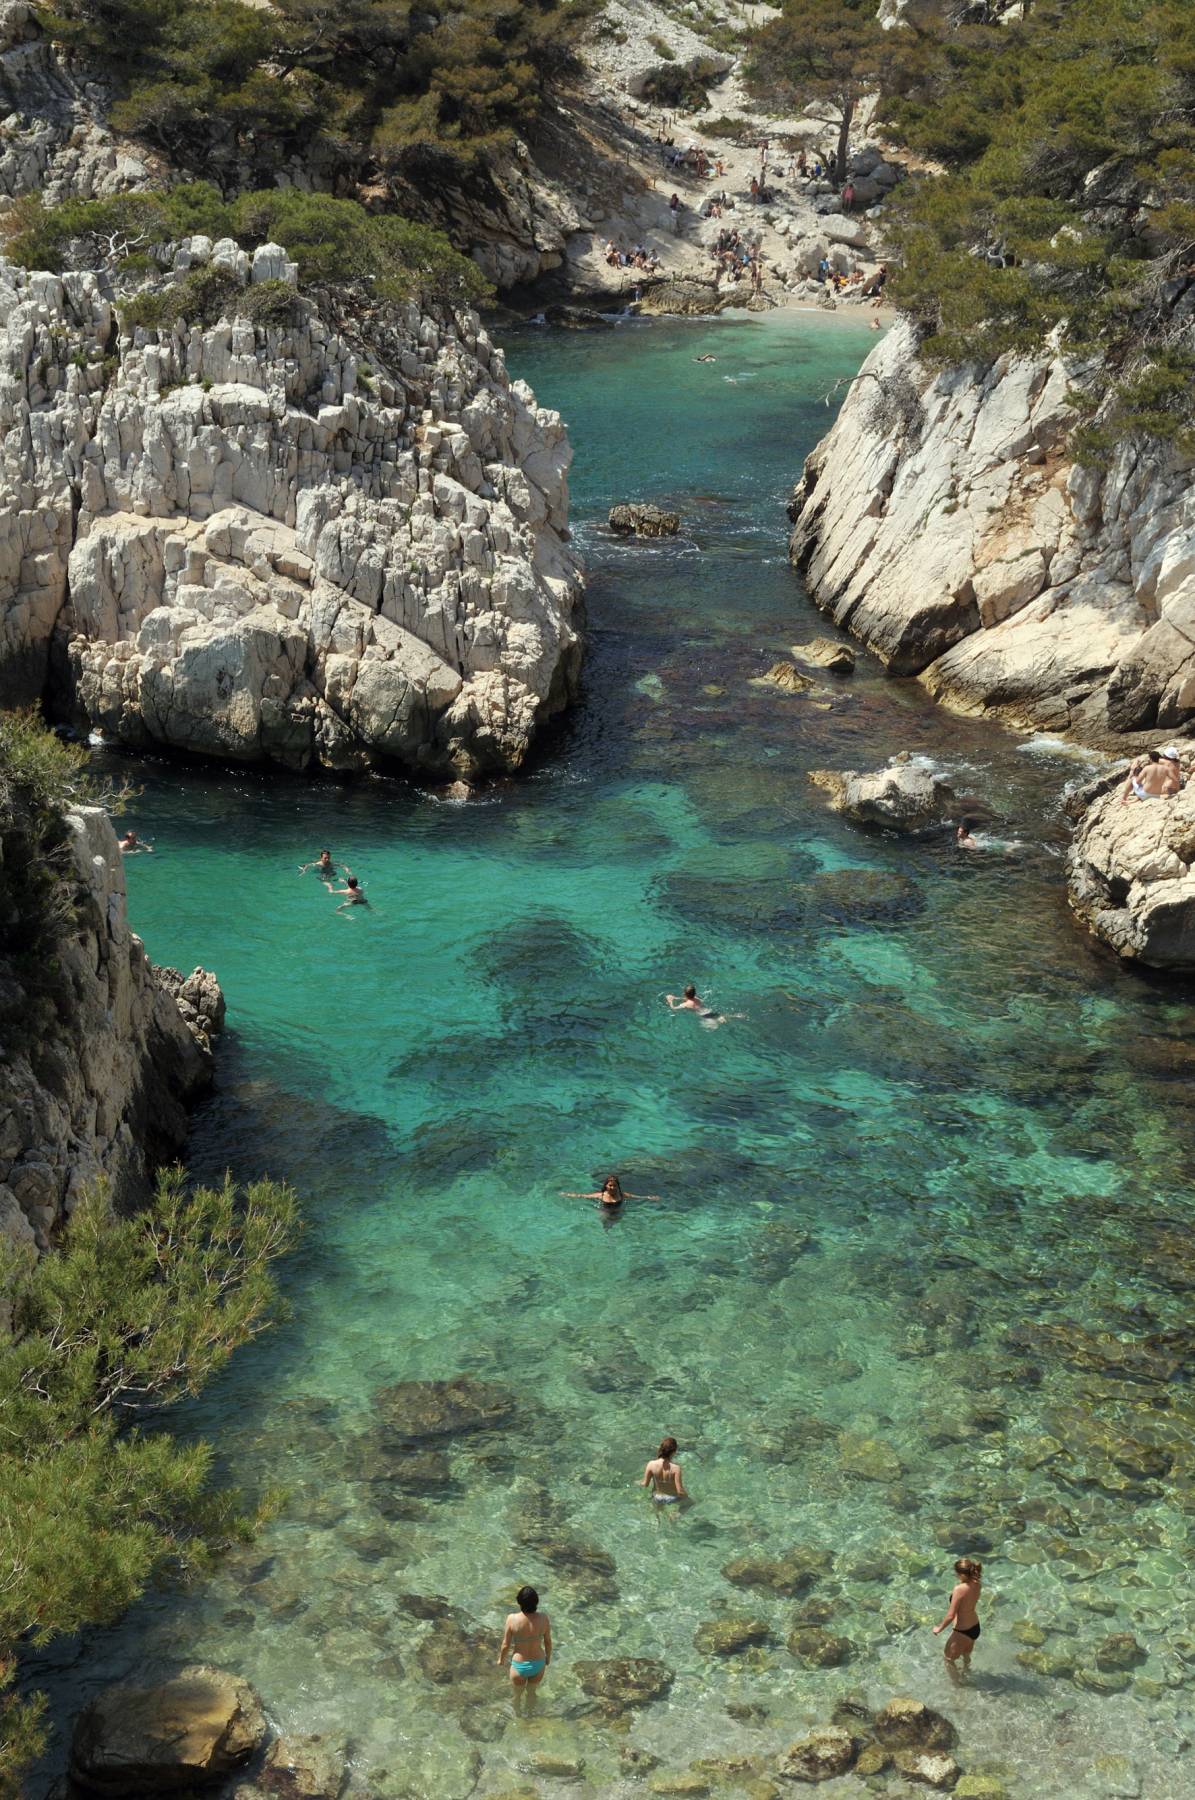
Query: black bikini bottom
(972, 1631)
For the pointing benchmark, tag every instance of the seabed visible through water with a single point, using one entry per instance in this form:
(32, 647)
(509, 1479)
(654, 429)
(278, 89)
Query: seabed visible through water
(919, 1281)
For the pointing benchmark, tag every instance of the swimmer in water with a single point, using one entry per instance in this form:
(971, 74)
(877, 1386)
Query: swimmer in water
(963, 837)
(130, 844)
(323, 865)
(352, 894)
(690, 1003)
(611, 1194)
(663, 1477)
(706, 358)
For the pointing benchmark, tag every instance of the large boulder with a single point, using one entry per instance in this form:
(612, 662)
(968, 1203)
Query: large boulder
(1131, 870)
(197, 1727)
(907, 1724)
(642, 519)
(907, 795)
(821, 1756)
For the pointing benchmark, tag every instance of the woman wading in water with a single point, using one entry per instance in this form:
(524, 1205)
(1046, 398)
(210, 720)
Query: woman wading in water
(961, 1616)
(663, 1477)
(527, 1640)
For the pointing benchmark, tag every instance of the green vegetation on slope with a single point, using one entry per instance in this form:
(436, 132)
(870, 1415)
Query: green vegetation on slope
(128, 1316)
(375, 82)
(1065, 210)
(334, 242)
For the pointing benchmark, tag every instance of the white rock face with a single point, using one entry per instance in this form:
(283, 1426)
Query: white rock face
(942, 521)
(266, 544)
(1132, 870)
(97, 1062)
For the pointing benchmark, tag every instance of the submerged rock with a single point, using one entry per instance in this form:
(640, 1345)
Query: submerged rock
(819, 1649)
(788, 678)
(726, 1637)
(821, 1756)
(1120, 1650)
(621, 1682)
(906, 795)
(791, 1574)
(868, 1459)
(642, 519)
(304, 1768)
(906, 1724)
(449, 1654)
(826, 653)
(421, 1411)
(929, 1768)
(864, 896)
(194, 1728)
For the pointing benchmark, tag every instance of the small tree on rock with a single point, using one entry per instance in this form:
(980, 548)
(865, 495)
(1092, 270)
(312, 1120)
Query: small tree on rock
(825, 55)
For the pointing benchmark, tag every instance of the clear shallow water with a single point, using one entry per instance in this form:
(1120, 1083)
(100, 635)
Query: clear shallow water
(936, 1123)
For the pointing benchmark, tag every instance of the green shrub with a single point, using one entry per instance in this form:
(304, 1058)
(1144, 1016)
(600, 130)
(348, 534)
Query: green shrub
(335, 243)
(269, 303)
(199, 297)
(363, 79)
(129, 1316)
(662, 48)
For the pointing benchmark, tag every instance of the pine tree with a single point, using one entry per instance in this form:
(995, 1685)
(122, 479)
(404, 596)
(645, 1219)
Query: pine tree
(96, 1338)
(826, 55)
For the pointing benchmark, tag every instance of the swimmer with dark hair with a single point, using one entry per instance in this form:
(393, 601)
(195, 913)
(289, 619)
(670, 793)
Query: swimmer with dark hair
(689, 1002)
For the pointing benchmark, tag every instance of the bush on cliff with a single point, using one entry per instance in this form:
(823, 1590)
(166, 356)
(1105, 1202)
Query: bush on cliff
(335, 243)
(96, 1501)
(1067, 209)
(362, 81)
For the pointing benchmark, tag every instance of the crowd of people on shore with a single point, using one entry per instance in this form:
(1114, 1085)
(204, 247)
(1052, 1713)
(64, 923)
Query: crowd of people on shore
(638, 256)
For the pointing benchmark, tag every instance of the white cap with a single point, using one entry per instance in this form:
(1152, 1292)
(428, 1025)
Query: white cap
(1171, 753)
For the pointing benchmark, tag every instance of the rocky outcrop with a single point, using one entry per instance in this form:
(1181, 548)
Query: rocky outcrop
(641, 519)
(1132, 869)
(264, 542)
(193, 1729)
(54, 139)
(909, 794)
(943, 522)
(98, 1062)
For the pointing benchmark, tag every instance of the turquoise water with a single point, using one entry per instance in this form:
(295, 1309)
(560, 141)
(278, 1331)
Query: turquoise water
(918, 1280)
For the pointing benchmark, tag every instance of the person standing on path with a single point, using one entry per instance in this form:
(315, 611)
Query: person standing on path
(674, 209)
(527, 1640)
(962, 1617)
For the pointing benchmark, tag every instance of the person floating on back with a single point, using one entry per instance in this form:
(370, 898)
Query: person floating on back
(352, 894)
(663, 1477)
(527, 1640)
(961, 1617)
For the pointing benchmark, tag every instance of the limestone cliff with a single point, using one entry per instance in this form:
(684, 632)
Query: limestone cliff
(1131, 869)
(942, 521)
(98, 1060)
(304, 540)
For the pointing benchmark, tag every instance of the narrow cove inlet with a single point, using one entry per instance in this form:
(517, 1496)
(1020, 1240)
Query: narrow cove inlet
(917, 1284)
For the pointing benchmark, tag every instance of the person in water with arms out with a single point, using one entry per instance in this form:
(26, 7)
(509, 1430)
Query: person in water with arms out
(527, 1640)
(611, 1194)
(961, 1616)
(323, 865)
(664, 1478)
